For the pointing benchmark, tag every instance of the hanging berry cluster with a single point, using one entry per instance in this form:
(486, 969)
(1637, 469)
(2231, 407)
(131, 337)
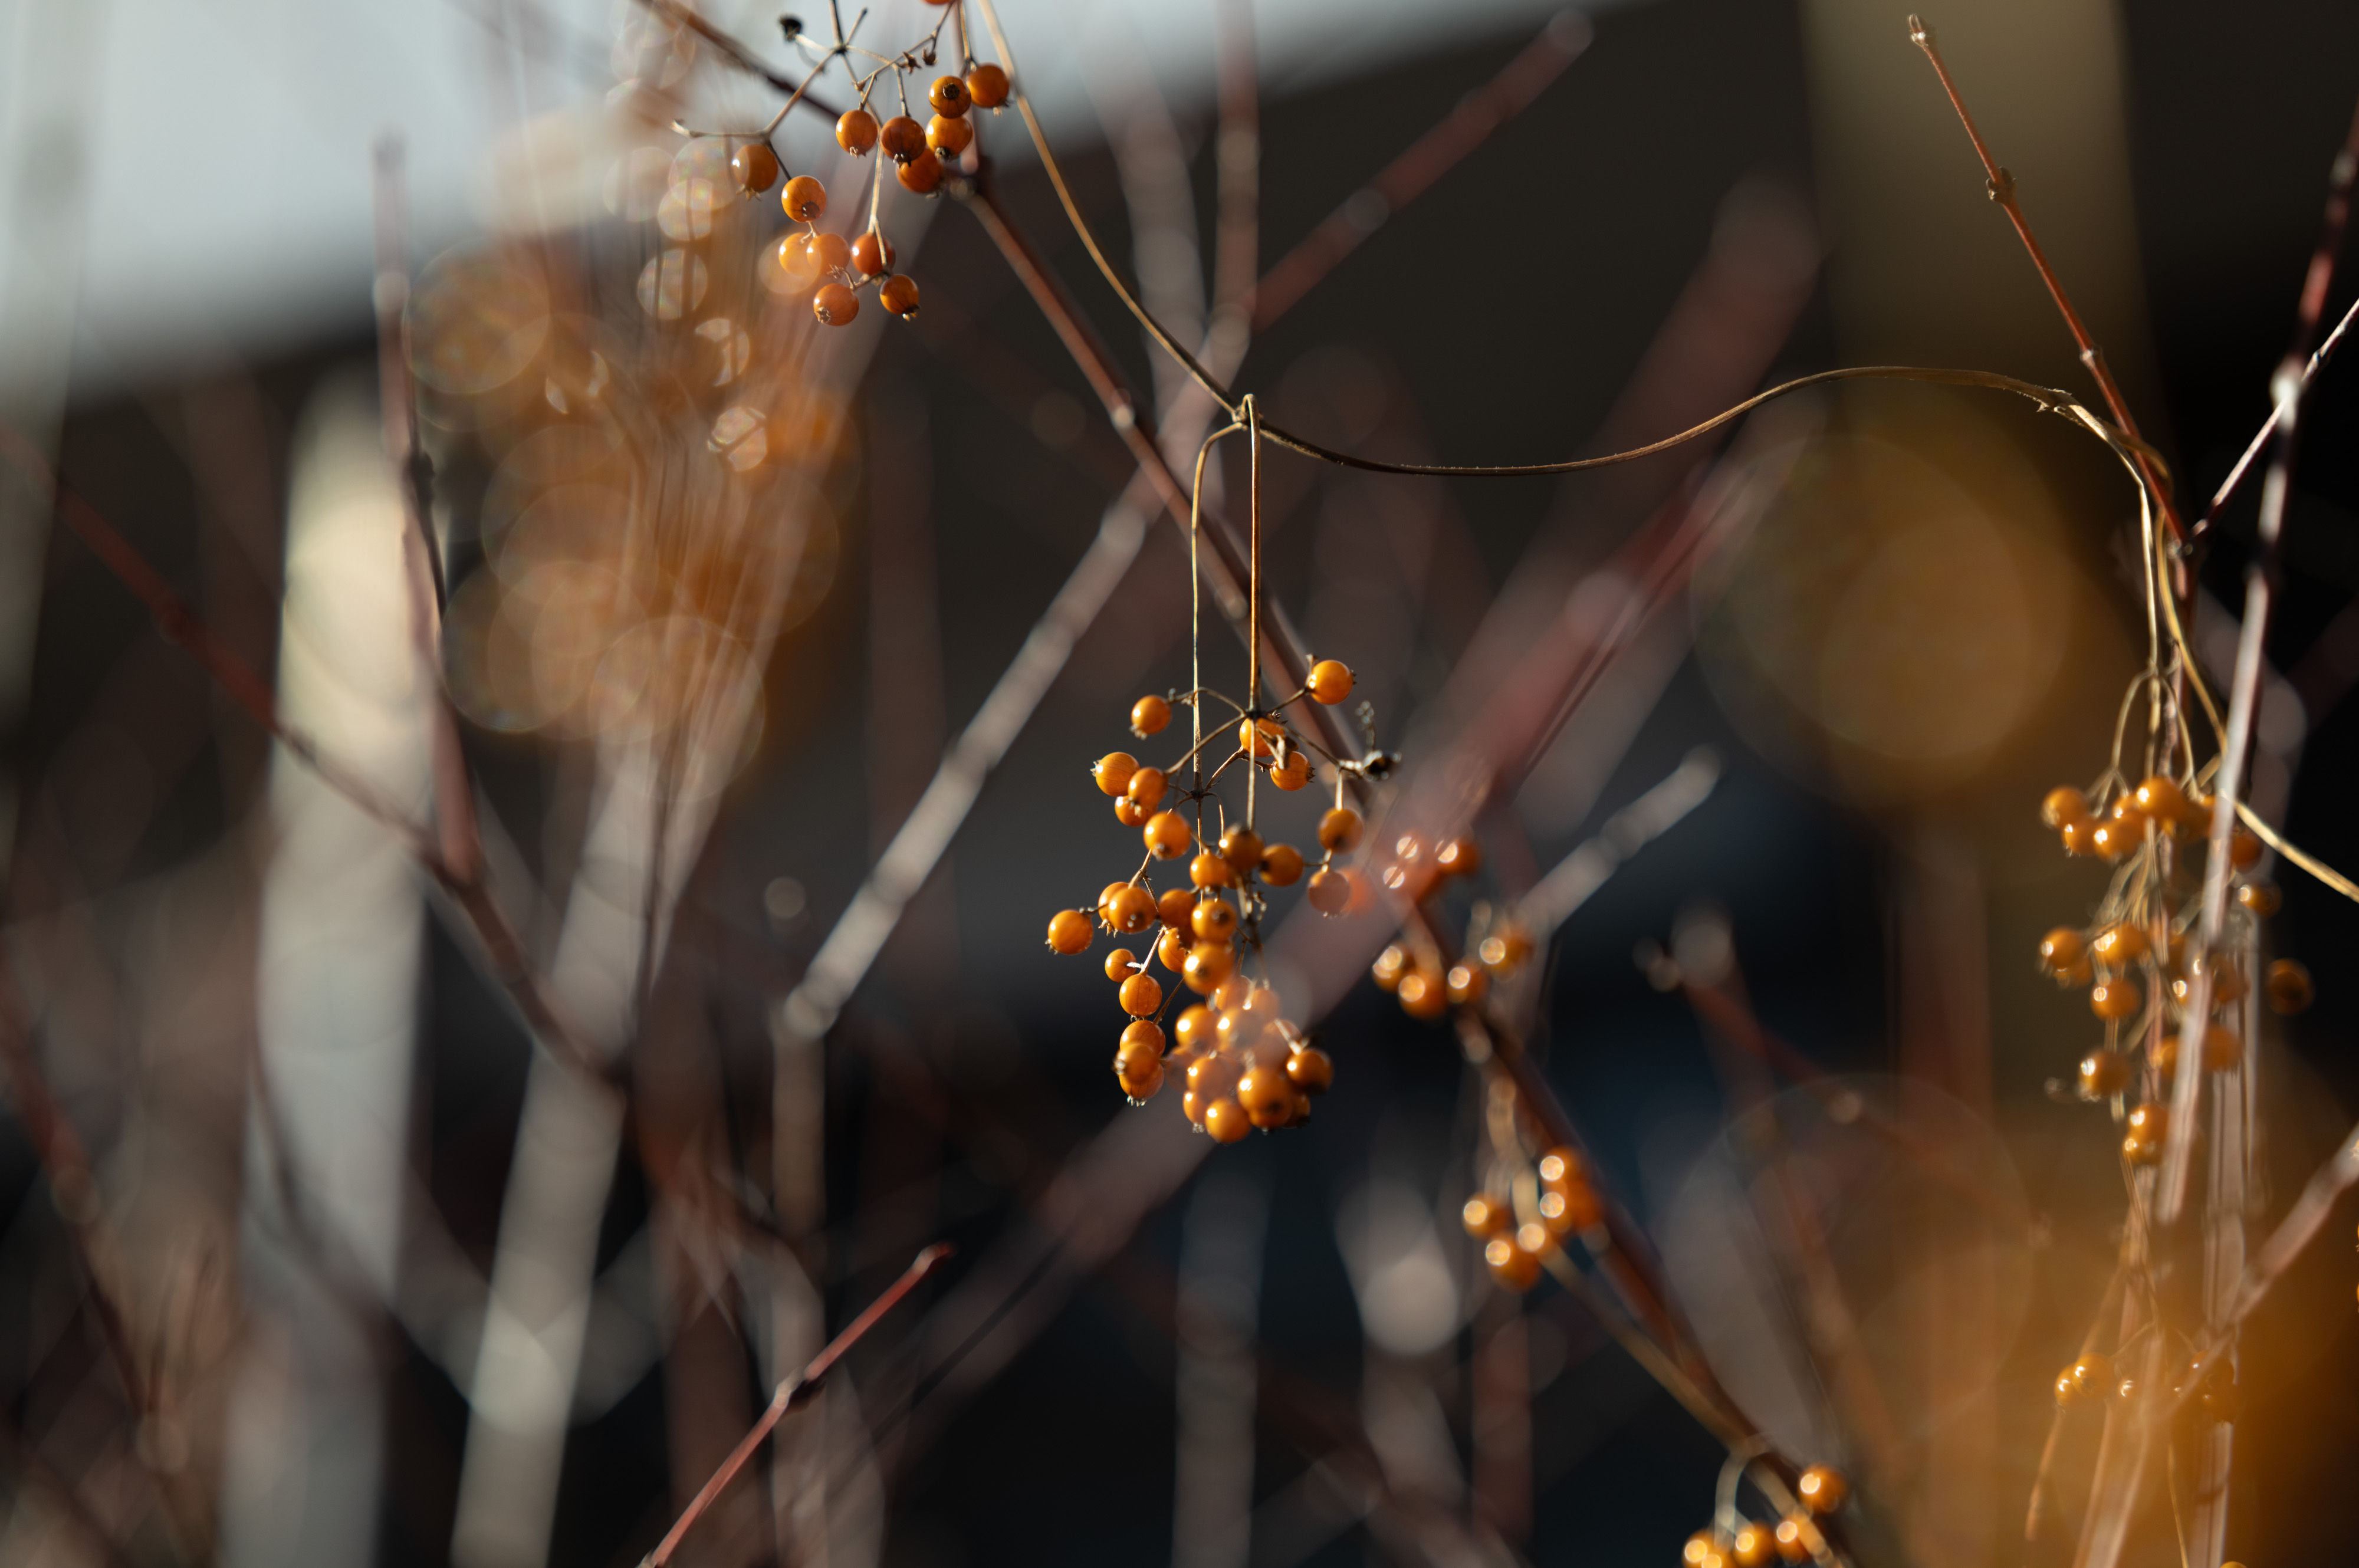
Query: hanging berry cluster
(835, 268)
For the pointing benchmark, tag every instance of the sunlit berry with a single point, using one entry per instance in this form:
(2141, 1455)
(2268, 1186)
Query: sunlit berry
(1267, 1096)
(1141, 1081)
(1146, 786)
(1339, 830)
(947, 137)
(1465, 982)
(949, 96)
(1485, 1215)
(1505, 949)
(1175, 905)
(1281, 866)
(1702, 1550)
(1105, 899)
(1128, 812)
(2227, 983)
(835, 305)
(831, 251)
(1310, 1070)
(1330, 682)
(1292, 773)
(2061, 949)
(2079, 835)
(797, 264)
(1458, 857)
(1329, 892)
(2119, 945)
(1213, 1076)
(1069, 932)
(986, 85)
(902, 137)
(1148, 717)
(1131, 910)
(1209, 870)
(2289, 987)
(1230, 995)
(1120, 965)
(899, 295)
(1241, 847)
(2103, 1073)
(1113, 771)
(1259, 737)
(755, 167)
(1192, 1031)
(1141, 996)
(921, 174)
(1821, 1489)
(2090, 1377)
(2063, 804)
(2243, 848)
(872, 253)
(2144, 1132)
(1422, 996)
(1207, 965)
(2223, 1050)
(1793, 1539)
(1212, 919)
(1510, 1265)
(1227, 1121)
(2114, 1000)
(1167, 834)
(1390, 965)
(1172, 948)
(2113, 840)
(2262, 898)
(1753, 1546)
(805, 199)
(2160, 798)
(855, 131)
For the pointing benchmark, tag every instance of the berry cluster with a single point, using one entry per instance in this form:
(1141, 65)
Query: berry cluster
(1523, 1216)
(1413, 971)
(1746, 1544)
(1246, 1064)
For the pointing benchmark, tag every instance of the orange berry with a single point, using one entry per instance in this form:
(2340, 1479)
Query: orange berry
(2222, 1050)
(756, 168)
(1069, 932)
(835, 305)
(1148, 717)
(986, 86)
(1213, 1076)
(1260, 737)
(1752, 1546)
(1230, 995)
(949, 96)
(1511, 1265)
(1821, 1489)
(1192, 1030)
(1193, 1106)
(1389, 966)
(1458, 857)
(1702, 1550)
(1166, 836)
(797, 262)
(1227, 1121)
(1407, 848)
(1105, 902)
(1113, 772)
(1141, 1081)
(1310, 1070)
(2111, 840)
(2227, 983)
(1241, 847)
(1465, 982)
(1267, 1097)
(1175, 905)
(2161, 799)
(1281, 866)
(1502, 953)
(832, 253)
(1143, 1034)
(2243, 848)
(2104, 1075)
(1131, 910)
(2124, 810)
(872, 253)
(1207, 965)
(2262, 898)
(2114, 1000)
(902, 137)
(1213, 921)
(2080, 835)
(2119, 945)
(2290, 987)
(2061, 949)
(2089, 1377)
(2063, 804)
(947, 137)
(899, 296)
(805, 199)
(1141, 996)
(1172, 947)
(1485, 1215)
(1126, 811)
(1330, 683)
(855, 131)
(1793, 1545)
(1292, 774)
(1209, 870)
(1331, 892)
(1120, 965)
(921, 174)
(1339, 830)
(2144, 1133)
(1421, 994)
(1146, 786)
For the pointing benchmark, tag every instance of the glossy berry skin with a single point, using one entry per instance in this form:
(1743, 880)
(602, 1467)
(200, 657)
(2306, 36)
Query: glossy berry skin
(2061, 949)
(922, 174)
(1212, 919)
(1465, 982)
(1143, 1034)
(1141, 996)
(1330, 683)
(1702, 1550)
(1339, 831)
(2089, 1377)
(2143, 1134)
(1510, 1265)
(1148, 717)
(949, 96)
(1292, 774)
(2104, 1075)
(902, 139)
(2079, 835)
(1505, 953)
(1174, 908)
(1821, 1489)
(1207, 965)
(1127, 812)
(986, 86)
(1793, 1545)
(899, 296)
(2161, 799)
(2112, 841)
(1069, 932)
(2289, 988)
(855, 131)
(2114, 1000)
(2118, 946)
(1120, 965)
(1421, 994)
(832, 253)
(872, 253)
(2227, 984)
(1213, 1076)
(947, 137)
(1486, 1216)
(1458, 857)
(2063, 804)
(1145, 787)
(1753, 1546)
(796, 262)
(1389, 966)
(2262, 898)
(756, 168)
(1241, 847)
(1166, 836)
(1227, 1121)
(1281, 866)
(1113, 772)
(1192, 1030)
(1260, 737)
(1172, 947)
(1209, 870)
(1105, 899)
(1131, 910)
(1267, 1097)
(835, 305)
(1310, 1070)
(804, 198)
(1329, 892)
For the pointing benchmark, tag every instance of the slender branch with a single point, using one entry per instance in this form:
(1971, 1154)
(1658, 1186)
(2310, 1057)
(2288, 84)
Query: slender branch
(791, 1392)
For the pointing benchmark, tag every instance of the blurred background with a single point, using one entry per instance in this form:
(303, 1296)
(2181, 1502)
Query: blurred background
(378, 1280)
